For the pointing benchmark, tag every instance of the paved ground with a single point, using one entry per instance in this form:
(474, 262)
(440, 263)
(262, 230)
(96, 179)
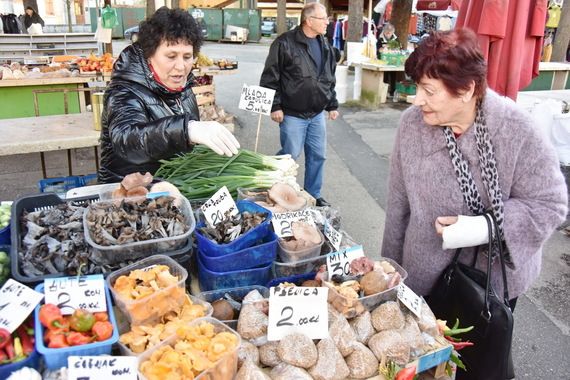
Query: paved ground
(359, 146)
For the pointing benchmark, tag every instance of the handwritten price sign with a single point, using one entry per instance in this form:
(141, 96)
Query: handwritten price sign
(410, 299)
(282, 221)
(339, 263)
(298, 309)
(333, 235)
(219, 206)
(17, 301)
(102, 367)
(78, 292)
(256, 99)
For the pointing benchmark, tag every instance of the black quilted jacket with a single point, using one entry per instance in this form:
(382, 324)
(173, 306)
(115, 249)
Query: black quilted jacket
(142, 121)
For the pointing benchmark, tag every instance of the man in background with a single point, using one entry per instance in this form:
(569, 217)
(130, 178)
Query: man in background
(301, 68)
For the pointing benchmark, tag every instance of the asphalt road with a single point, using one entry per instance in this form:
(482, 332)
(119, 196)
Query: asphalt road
(359, 146)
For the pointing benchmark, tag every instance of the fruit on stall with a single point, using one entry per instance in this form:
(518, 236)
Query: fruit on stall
(5, 210)
(96, 63)
(4, 267)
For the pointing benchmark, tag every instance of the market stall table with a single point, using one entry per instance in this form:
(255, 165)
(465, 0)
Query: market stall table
(371, 77)
(48, 133)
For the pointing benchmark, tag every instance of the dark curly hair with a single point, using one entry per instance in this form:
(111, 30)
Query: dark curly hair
(454, 57)
(172, 26)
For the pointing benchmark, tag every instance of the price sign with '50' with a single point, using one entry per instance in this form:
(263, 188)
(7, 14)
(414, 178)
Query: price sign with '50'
(282, 221)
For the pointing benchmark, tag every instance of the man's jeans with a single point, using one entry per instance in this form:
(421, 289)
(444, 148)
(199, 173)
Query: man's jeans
(296, 133)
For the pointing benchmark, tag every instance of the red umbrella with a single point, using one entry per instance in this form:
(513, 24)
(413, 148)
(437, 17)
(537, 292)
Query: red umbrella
(510, 34)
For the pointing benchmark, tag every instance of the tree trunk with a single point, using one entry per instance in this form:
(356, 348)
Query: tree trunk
(33, 4)
(281, 16)
(175, 4)
(150, 8)
(401, 12)
(562, 38)
(355, 13)
(69, 22)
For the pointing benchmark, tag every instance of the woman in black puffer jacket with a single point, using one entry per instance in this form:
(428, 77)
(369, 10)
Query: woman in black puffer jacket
(150, 112)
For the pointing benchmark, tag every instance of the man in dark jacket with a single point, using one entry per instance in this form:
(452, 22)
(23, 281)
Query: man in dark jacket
(301, 68)
(150, 112)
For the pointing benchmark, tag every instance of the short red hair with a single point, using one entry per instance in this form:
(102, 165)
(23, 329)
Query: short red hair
(454, 57)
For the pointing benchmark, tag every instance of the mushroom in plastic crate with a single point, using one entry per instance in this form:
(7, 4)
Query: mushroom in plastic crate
(212, 248)
(148, 308)
(224, 368)
(56, 358)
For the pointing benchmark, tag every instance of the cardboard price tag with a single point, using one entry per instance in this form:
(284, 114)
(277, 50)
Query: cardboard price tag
(282, 221)
(102, 367)
(219, 206)
(339, 262)
(256, 99)
(17, 302)
(298, 309)
(77, 292)
(410, 299)
(333, 235)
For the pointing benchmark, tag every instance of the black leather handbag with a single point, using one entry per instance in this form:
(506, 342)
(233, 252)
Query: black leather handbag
(465, 292)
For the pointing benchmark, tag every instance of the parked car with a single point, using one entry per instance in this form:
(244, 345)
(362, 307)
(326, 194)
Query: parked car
(132, 33)
(267, 28)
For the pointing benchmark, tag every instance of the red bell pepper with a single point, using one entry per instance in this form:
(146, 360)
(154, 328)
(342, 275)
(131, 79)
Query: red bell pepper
(101, 316)
(9, 348)
(75, 338)
(5, 337)
(102, 330)
(27, 340)
(58, 341)
(407, 373)
(50, 316)
(3, 356)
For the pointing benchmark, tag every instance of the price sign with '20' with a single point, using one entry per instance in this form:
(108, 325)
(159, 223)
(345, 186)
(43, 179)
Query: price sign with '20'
(282, 221)
(219, 207)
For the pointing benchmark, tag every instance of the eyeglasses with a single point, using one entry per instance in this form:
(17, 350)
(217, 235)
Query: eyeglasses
(320, 18)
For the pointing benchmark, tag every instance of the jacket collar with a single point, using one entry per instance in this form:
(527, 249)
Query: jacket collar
(432, 137)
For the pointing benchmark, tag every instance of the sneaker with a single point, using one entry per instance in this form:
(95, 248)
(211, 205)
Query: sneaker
(322, 203)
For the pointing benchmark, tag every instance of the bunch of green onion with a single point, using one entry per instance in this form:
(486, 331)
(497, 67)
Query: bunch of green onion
(202, 172)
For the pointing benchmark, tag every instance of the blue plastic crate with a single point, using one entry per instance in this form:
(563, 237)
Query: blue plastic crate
(88, 179)
(210, 280)
(33, 361)
(262, 253)
(211, 248)
(5, 238)
(56, 358)
(59, 185)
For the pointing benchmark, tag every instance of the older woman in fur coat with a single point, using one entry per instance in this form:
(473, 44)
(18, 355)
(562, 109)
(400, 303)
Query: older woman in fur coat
(441, 129)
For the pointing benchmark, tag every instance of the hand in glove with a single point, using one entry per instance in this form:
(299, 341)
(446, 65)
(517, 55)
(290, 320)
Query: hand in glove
(462, 231)
(214, 135)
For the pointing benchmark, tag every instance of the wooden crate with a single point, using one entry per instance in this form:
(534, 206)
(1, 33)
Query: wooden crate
(203, 89)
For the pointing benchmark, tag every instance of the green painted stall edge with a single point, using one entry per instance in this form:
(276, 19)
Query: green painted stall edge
(254, 26)
(128, 17)
(213, 20)
(19, 101)
(542, 82)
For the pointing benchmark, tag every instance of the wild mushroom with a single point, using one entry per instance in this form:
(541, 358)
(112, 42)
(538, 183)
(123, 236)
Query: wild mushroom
(306, 232)
(285, 196)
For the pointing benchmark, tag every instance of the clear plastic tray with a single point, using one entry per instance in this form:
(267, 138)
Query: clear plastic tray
(298, 267)
(152, 308)
(352, 307)
(288, 256)
(135, 250)
(224, 369)
(125, 350)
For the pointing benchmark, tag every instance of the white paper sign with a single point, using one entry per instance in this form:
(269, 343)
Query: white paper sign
(256, 99)
(77, 292)
(339, 262)
(102, 367)
(218, 206)
(333, 235)
(298, 309)
(17, 302)
(282, 221)
(410, 299)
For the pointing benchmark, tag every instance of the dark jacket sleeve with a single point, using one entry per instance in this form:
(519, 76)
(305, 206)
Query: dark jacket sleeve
(39, 20)
(138, 140)
(333, 103)
(271, 76)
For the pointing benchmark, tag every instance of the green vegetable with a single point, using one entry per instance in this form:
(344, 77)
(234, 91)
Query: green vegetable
(202, 172)
(5, 210)
(4, 267)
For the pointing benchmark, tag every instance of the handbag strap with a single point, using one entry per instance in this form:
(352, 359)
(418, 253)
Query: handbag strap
(499, 243)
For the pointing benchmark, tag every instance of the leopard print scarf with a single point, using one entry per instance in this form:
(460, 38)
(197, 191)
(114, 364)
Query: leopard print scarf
(489, 174)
